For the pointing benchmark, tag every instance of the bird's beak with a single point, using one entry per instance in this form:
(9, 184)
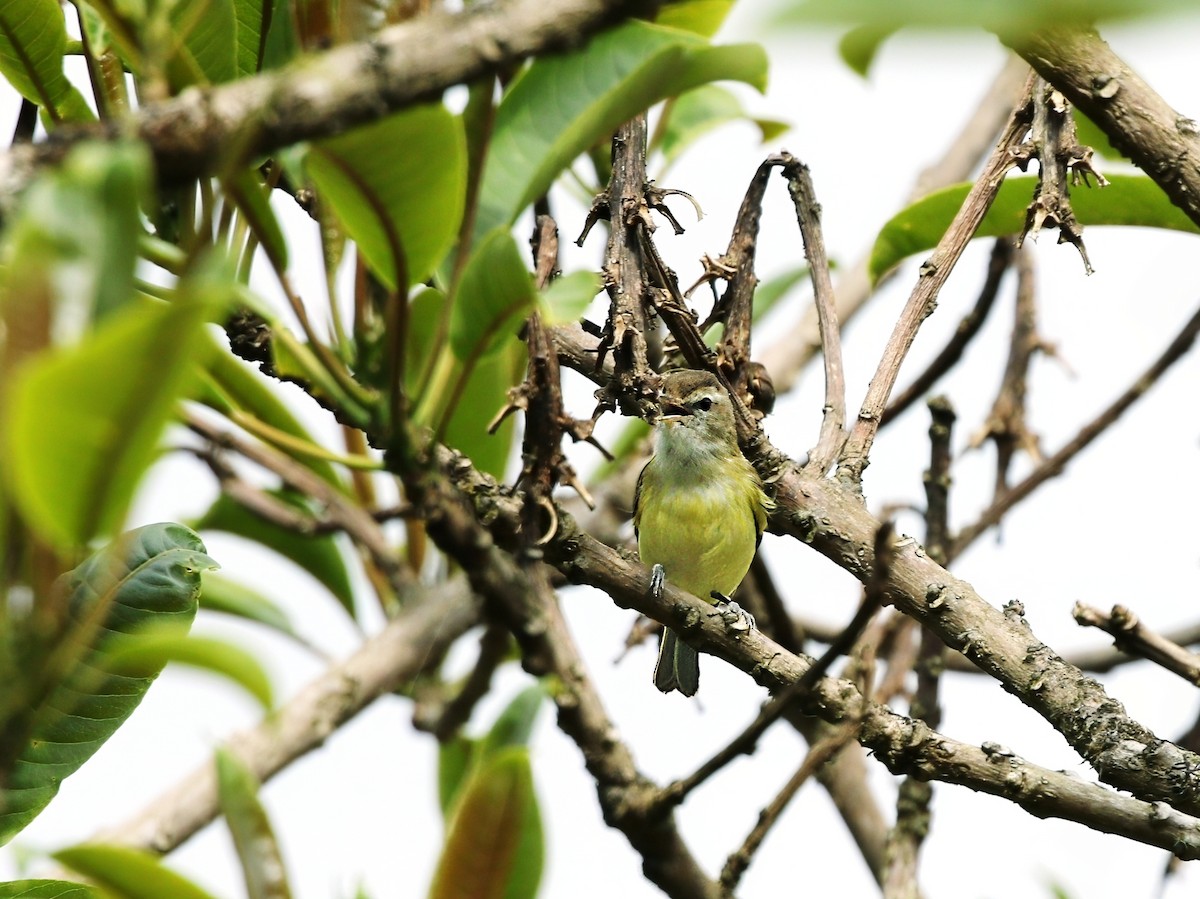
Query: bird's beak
(673, 411)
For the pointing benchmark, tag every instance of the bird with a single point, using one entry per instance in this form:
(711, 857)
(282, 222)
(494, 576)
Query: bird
(699, 509)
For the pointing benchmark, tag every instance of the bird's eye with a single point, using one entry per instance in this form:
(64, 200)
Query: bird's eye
(705, 404)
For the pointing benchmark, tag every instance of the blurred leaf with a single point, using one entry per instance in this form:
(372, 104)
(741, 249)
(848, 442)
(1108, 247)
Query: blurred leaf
(220, 594)
(209, 51)
(568, 297)
(254, 20)
(455, 759)
(514, 725)
(319, 555)
(495, 295)
(233, 384)
(155, 647)
(561, 105)
(1128, 200)
(127, 873)
(47, 889)
(859, 46)
(148, 577)
(33, 39)
(768, 294)
(282, 44)
(692, 115)
(252, 199)
(1090, 135)
(702, 17)
(494, 843)
(257, 848)
(1008, 17)
(83, 422)
(405, 205)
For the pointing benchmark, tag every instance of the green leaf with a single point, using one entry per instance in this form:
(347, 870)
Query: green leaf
(514, 725)
(148, 577)
(47, 889)
(254, 19)
(251, 197)
(83, 422)
(859, 46)
(128, 873)
(692, 115)
(495, 295)
(228, 597)
(1010, 17)
(234, 385)
(397, 205)
(456, 757)
(494, 845)
(157, 646)
(768, 294)
(262, 862)
(702, 17)
(561, 105)
(319, 555)
(1090, 135)
(1128, 200)
(568, 297)
(33, 39)
(209, 51)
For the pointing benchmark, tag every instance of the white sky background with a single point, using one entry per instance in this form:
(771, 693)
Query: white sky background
(1118, 527)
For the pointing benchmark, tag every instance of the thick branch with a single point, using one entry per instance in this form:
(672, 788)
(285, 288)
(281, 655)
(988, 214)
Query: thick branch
(328, 93)
(1138, 122)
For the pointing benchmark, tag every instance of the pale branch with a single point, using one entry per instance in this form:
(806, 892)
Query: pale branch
(833, 520)
(921, 302)
(516, 588)
(787, 357)
(324, 94)
(432, 619)
(1057, 463)
(1130, 634)
(808, 217)
(968, 327)
(1138, 122)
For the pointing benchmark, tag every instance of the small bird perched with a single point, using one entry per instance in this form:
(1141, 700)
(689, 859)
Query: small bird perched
(699, 510)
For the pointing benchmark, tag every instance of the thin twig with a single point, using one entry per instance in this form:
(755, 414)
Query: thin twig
(1054, 466)
(933, 275)
(998, 264)
(808, 216)
(1131, 635)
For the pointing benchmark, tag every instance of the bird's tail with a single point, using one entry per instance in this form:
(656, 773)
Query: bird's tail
(678, 665)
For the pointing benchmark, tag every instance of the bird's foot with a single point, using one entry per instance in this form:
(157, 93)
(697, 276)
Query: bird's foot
(736, 619)
(658, 577)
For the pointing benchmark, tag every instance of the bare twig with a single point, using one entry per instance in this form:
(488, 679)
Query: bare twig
(1131, 635)
(933, 275)
(808, 216)
(998, 264)
(1055, 464)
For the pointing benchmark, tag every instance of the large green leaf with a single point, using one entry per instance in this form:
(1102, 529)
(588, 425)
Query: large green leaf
(47, 889)
(83, 422)
(147, 578)
(33, 38)
(494, 297)
(494, 846)
(561, 105)
(703, 17)
(157, 646)
(254, 18)
(126, 873)
(318, 555)
(699, 111)
(1128, 200)
(253, 837)
(210, 49)
(227, 597)
(398, 186)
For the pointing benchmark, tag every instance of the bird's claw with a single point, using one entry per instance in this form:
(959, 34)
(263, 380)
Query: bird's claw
(736, 619)
(658, 576)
